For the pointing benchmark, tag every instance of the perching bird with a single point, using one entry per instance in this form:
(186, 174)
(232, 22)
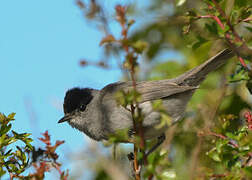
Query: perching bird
(98, 115)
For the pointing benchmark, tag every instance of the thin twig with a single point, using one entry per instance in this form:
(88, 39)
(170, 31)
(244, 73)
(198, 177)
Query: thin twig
(227, 36)
(230, 141)
(134, 107)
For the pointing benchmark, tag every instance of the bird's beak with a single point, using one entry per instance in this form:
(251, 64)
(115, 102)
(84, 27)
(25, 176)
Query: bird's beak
(65, 118)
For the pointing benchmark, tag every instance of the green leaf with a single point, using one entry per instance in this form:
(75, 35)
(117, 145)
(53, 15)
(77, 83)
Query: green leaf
(241, 3)
(2, 118)
(249, 43)
(2, 140)
(5, 129)
(230, 135)
(8, 153)
(219, 145)
(2, 172)
(120, 98)
(225, 124)
(14, 133)
(170, 174)
(249, 28)
(19, 153)
(165, 120)
(192, 13)
(119, 136)
(200, 41)
(180, 2)
(214, 155)
(212, 28)
(244, 148)
(248, 170)
(12, 140)
(29, 147)
(11, 116)
(140, 46)
(157, 105)
(131, 22)
(229, 7)
(26, 135)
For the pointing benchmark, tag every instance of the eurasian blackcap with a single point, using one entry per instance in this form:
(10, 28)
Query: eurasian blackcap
(98, 115)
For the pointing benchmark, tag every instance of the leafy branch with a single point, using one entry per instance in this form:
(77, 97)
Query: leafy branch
(16, 162)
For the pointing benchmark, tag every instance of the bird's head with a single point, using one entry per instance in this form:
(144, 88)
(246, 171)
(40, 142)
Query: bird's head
(75, 102)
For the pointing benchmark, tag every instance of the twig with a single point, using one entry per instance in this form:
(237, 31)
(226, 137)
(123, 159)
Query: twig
(231, 142)
(218, 175)
(195, 156)
(227, 36)
(134, 107)
(214, 18)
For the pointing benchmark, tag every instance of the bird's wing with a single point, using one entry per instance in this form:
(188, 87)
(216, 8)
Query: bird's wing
(149, 90)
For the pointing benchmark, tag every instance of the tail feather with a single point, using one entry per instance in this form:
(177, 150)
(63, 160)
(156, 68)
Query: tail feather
(196, 75)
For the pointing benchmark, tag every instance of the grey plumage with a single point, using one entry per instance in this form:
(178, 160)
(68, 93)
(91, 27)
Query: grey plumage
(97, 114)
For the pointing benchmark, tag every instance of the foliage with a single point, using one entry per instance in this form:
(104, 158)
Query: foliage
(16, 159)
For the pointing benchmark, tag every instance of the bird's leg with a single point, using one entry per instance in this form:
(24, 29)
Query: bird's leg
(133, 172)
(153, 148)
(159, 142)
(131, 161)
(131, 156)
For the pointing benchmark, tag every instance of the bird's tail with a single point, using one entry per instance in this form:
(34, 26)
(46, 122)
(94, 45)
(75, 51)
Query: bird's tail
(196, 75)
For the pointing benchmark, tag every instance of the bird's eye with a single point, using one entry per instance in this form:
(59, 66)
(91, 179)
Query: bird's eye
(82, 107)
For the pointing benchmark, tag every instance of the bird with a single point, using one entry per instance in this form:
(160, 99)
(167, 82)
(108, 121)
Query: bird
(98, 114)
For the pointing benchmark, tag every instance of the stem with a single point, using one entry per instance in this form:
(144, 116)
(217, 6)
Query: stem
(236, 35)
(232, 46)
(138, 126)
(135, 110)
(214, 18)
(218, 175)
(136, 167)
(227, 36)
(231, 141)
(150, 177)
(223, 14)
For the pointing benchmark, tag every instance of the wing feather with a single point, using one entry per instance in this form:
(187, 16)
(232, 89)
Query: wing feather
(149, 90)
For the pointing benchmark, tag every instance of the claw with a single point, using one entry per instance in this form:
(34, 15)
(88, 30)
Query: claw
(131, 156)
